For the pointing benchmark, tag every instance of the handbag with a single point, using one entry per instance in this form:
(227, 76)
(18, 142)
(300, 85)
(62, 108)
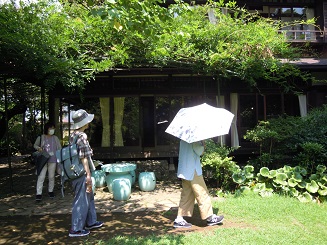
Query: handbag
(36, 153)
(40, 159)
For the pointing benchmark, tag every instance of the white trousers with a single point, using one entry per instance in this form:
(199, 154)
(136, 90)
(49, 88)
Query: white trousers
(51, 168)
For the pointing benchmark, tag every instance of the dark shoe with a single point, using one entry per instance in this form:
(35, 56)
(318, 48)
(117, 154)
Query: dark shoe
(215, 220)
(182, 224)
(97, 224)
(38, 198)
(51, 195)
(78, 233)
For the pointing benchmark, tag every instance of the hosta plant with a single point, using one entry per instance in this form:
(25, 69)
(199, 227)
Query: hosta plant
(290, 181)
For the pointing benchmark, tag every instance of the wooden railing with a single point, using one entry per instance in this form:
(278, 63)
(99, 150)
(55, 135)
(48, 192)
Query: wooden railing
(304, 35)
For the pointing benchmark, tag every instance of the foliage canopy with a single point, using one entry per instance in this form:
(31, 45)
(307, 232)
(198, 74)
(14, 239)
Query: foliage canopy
(68, 43)
(49, 43)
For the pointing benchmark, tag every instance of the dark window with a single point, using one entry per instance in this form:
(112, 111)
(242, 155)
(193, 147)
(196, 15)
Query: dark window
(162, 120)
(147, 107)
(247, 113)
(291, 105)
(256, 107)
(273, 106)
(130, 125)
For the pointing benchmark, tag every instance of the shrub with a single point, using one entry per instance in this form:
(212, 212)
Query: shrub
(218, 165)
(292, 140)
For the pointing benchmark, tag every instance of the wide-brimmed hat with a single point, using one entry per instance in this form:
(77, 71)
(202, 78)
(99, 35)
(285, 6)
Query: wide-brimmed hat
(81, 118)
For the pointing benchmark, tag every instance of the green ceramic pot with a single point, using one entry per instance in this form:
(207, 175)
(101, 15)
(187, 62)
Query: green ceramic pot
(147, 181)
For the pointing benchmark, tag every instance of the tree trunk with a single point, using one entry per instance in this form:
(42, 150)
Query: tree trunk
(16, 110)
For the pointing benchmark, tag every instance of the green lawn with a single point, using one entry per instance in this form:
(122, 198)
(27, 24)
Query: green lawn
(253, 220)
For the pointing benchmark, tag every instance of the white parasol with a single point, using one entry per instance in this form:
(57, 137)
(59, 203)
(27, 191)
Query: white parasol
(200, 122)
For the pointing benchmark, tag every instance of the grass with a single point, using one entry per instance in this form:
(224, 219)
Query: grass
(252, 220)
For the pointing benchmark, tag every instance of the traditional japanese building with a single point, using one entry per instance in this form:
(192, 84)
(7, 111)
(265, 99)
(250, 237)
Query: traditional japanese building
(133, 107)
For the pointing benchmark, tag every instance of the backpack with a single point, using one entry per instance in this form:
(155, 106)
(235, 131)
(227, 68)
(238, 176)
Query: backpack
(71, 165)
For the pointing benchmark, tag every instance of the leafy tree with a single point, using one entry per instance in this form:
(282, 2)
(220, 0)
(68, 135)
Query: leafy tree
(48, 44)
(238, 44)
(69, 43)
(23, 101)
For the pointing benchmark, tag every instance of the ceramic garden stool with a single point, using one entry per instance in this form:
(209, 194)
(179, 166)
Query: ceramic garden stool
(119, 180)
(147, 181)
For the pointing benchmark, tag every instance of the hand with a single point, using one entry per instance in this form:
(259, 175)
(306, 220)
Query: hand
(88, 180)
(88, 184)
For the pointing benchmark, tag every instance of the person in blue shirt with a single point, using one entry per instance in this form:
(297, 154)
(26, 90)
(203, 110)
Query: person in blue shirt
(193, 186)
(84, 216)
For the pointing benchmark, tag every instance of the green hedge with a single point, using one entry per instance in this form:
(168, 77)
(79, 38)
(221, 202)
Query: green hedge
(291, 141)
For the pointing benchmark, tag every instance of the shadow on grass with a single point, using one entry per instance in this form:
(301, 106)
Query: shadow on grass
(53, 229)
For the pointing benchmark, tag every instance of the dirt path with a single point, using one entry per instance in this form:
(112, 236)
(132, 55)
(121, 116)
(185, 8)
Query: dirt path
(53, 228)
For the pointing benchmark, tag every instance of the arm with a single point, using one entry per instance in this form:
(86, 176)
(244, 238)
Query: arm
(88, 179)
(85, 153)
(204, 146)
(198, 148)
(85, 163)
(37, 144)
(58, 145)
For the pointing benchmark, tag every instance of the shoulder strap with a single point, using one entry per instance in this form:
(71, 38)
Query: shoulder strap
(76, 138)
(40, 140)
(74, 142)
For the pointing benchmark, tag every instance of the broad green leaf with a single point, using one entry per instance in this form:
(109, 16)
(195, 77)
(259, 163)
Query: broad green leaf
(259, 187)
(322, 191)
(305, 197)
(248, 168)
(285, 189)
(264, 171)
(272, 174)
(281, 179)
(297, 176)
(313, 177)
(249, 175)
(312, 187)
(294, 192)
(302, 184)
(321, 169)
(238, 178)
(292, 182)
(300, 170)
(261, 178)
(287, 168)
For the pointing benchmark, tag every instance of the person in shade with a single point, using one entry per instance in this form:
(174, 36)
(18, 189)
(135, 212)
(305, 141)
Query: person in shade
(50, 143)
(193, 186)
(84, 217)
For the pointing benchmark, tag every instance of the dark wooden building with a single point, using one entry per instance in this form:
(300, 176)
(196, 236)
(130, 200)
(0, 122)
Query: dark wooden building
(134, 107)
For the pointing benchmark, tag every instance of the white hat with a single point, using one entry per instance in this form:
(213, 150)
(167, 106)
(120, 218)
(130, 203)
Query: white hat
(81, 118)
